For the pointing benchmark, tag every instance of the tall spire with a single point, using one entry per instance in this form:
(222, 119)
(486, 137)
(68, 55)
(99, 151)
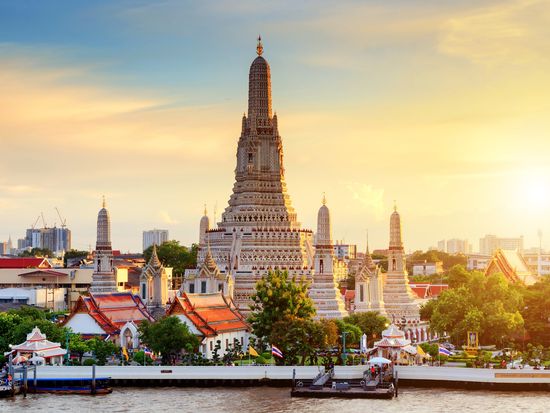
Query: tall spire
(103, 241)
(154, 261)
(259, 47)
(259, 89)
(396, 241)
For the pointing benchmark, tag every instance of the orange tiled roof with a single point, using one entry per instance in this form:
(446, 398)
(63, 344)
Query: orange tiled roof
(27, 262)
(112, 310)
(212, 314)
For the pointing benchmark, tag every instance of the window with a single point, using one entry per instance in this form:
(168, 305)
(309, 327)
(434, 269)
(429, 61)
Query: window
(250, 157)
(203, 287)
(361, 294)
(242, 341)
(321, 266)
(191, 288)
(226, 343)
(220, 287)
(211, 345)
(143, 291)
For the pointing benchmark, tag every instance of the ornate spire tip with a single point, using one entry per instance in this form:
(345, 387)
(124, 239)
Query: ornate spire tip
(259, 47)
(324, 199)
(103, 203)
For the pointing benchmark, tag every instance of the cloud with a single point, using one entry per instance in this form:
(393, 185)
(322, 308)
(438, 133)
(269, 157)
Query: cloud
(166, 218)
(371, 198)
(19, 189)
(505, 33)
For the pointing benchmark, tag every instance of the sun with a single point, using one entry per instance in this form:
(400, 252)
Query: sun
(537, 191)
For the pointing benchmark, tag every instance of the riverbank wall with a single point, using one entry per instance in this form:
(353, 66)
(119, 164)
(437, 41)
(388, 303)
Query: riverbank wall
(413, 376)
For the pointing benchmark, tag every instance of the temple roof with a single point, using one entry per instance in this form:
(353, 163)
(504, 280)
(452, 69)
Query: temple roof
(37, 342)
(112, 310)
(211, 314)
(30, 262)
(513, 266)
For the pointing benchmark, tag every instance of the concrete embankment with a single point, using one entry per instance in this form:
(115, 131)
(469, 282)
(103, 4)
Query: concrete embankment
(527, 379)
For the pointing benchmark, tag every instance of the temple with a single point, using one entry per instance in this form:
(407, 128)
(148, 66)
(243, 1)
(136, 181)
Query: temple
(324, 290)
(155, 280)
(38, 349)
(259, 230)
(513, 266)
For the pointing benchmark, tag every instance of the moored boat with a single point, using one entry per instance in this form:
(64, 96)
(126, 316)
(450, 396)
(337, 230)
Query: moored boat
(65, 385)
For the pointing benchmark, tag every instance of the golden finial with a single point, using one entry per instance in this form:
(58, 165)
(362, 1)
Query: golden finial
(205, 212)
(394, 205)
(324, 199)
(103, 202)
(259, 47)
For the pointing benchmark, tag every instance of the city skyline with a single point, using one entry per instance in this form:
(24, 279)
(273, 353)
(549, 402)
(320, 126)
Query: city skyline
(147, 112)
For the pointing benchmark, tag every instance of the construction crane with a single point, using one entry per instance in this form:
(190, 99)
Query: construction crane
(63, 221)
(35, 222)
(43, 220)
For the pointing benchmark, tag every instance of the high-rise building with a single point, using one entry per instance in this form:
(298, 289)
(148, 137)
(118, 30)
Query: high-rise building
(154, 236)
(55, 239)
(490, 243)
(259, 230)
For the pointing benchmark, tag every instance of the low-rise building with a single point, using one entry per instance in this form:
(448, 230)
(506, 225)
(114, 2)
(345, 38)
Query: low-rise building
(538, 263)
(478, 262)
(427, 268)
(513, 266)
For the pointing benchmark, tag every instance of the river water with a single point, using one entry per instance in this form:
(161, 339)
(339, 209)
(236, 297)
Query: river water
(269, 399)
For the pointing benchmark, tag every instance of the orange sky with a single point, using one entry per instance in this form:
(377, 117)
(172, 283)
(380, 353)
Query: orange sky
(444, 108)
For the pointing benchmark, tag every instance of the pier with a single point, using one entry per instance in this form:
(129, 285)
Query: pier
(409, 376)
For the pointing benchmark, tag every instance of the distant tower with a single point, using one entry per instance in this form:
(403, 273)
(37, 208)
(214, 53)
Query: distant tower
(154, 286)
(324, 290)
(369, 287)
(103, 278)
(204, 227)
(9, 247)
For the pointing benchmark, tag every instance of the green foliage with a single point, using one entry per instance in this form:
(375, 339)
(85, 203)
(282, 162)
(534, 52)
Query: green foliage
(266, 355)
(78, 346)
(536, 312)
(486, 304)
(371, 322)
(140, 357)
(278, 298)
(89, 362)
(174, 255)
(448, 260)
(458, 276)
(74, 254)
(353, 332)
(261, 360)
(168, 336)
(38, 252)
(102, 349)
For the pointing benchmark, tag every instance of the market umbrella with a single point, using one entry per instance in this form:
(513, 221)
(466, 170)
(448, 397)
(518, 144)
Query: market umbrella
(37, 360)
(19, 360)
(379, 360)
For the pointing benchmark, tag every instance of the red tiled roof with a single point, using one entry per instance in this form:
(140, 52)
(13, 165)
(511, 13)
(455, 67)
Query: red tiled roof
(426, 290)
(27, 262)
(112, 310)
(212, 314)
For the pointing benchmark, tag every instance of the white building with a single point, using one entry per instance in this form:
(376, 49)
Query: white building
(454, 246)
(478, 262)
(345, 252)
(538, 263)
(490, 243)
(427, 268)
(51, 298)
(154, 236)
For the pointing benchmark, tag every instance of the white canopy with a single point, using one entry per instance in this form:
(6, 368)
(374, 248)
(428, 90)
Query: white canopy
(379, 360)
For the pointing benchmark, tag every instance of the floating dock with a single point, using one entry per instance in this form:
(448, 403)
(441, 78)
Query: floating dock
(409, 376)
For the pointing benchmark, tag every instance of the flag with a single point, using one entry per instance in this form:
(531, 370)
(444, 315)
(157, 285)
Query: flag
(443, 351)
(148, 353)
(421, 352)
(252, 352)
(276, 352)
(125, 353)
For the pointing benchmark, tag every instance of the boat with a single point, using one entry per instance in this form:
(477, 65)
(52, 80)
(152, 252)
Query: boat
(65, 385)
(8, 387)
(378, 382)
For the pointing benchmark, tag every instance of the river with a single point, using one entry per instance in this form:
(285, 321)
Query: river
(269, 399)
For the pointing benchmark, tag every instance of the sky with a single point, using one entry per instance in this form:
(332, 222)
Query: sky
(442, 106)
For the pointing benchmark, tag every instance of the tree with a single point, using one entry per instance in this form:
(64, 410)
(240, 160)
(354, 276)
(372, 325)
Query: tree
(536, 312)
(174, 255)
(168, 336)
(371, 323)
(278, 298)
(78, 346)
(458, 276)
(72, 254)
(38, 252)
(101, 349)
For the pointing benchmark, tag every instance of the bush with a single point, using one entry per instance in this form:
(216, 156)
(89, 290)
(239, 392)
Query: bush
(266, 355)
(89, 362)
(75, 362)
(260, 360)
